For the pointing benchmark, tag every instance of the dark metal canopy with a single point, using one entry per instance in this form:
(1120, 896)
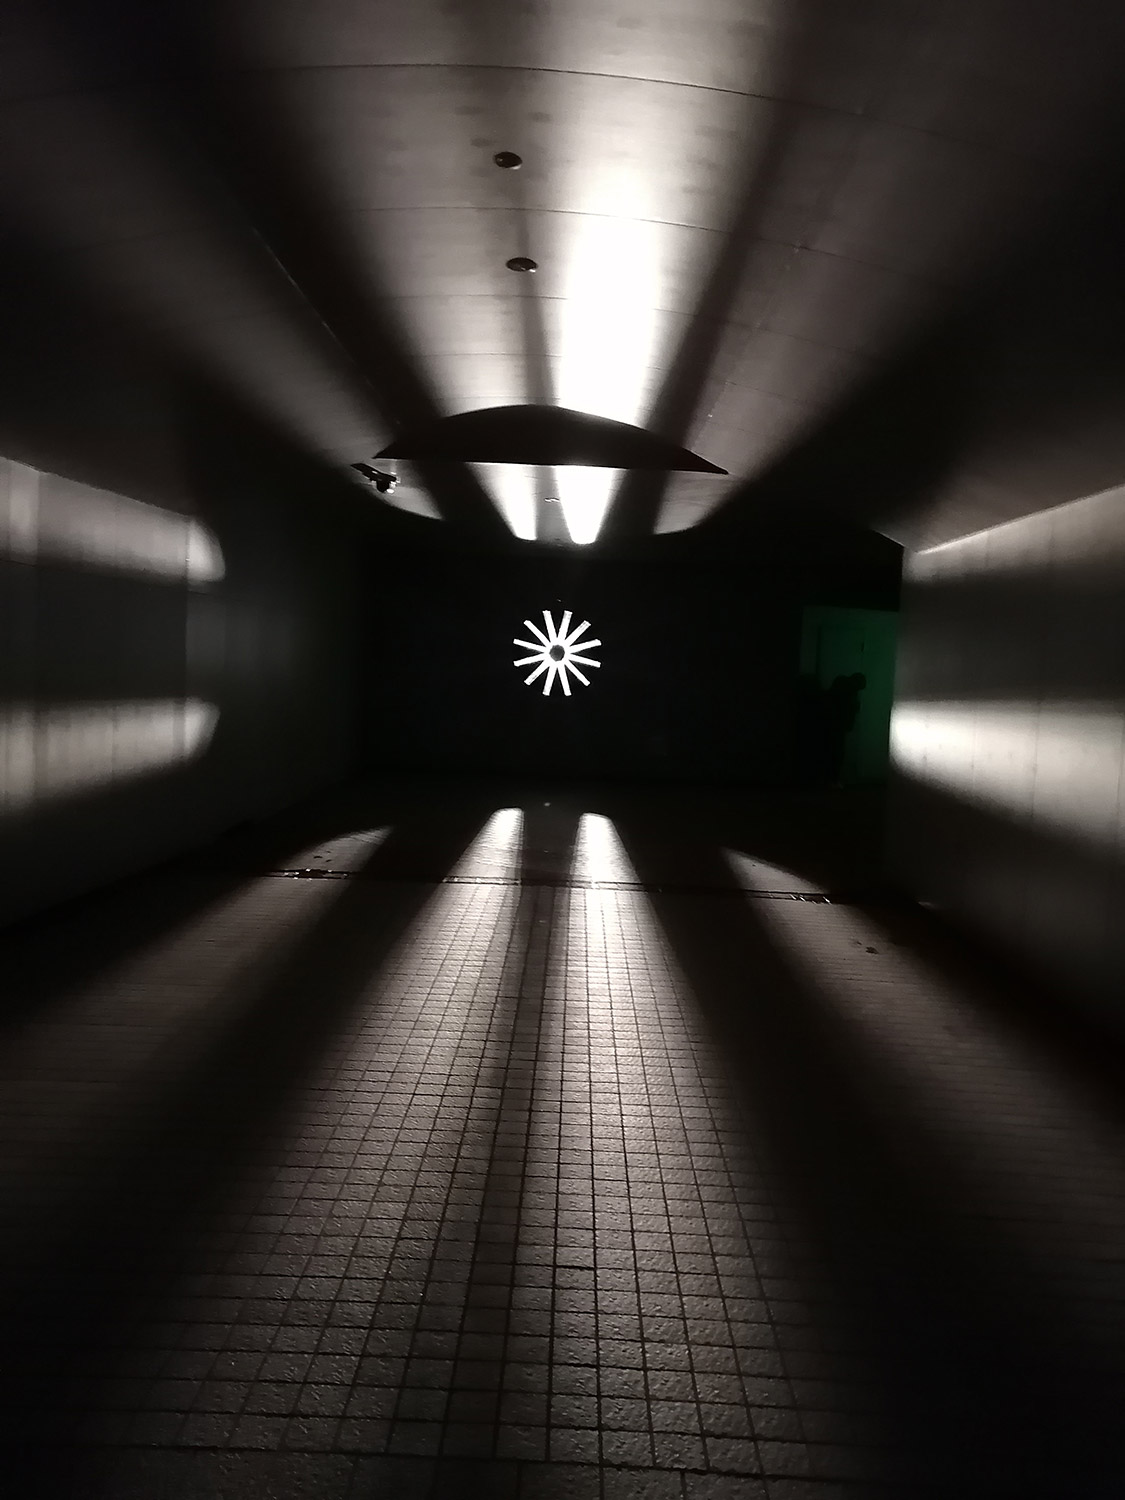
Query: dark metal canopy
(552, 435)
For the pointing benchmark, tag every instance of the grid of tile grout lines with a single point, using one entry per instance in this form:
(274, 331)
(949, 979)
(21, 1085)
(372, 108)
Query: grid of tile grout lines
(513, 1233)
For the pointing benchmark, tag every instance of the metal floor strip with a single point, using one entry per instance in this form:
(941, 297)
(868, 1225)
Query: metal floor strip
(821, 898)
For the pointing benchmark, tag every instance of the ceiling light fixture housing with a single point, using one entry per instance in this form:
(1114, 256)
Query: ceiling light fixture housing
(543, 435)
(385, 483)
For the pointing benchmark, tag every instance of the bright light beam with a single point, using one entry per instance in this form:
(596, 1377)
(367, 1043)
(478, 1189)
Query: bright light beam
(599, 853)
(1055, 766)
(50, 752)
(584, 496)
(45, 516)
(611, 284)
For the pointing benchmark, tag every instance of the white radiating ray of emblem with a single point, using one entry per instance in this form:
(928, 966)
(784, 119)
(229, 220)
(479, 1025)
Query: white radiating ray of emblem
(555, 652)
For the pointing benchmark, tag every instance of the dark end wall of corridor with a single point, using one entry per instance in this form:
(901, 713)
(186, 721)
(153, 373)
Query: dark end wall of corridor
(700, 656)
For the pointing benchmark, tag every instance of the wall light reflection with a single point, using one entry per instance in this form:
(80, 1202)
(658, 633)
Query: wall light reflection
(1057, 765)
(49, 752)
(45, 516)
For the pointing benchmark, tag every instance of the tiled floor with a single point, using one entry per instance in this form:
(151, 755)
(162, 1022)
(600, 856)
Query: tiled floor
(531, 1145)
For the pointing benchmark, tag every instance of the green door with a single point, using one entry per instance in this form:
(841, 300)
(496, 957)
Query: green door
(840, 643)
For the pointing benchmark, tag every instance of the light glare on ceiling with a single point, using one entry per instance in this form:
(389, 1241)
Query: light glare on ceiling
(610, 291)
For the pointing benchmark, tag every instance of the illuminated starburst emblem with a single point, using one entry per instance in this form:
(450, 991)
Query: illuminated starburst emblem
(556, 652)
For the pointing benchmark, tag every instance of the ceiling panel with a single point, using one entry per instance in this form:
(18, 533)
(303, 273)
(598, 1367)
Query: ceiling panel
(690, 499)
(740, 208)
(714, 44)
(925, 204)
(392, 137)
(603, 278)
(1025, 81)
(845, 304)
(795, 369)
(123, 219)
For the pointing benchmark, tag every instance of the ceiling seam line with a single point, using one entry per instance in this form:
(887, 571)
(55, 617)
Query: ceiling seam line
(861, 112)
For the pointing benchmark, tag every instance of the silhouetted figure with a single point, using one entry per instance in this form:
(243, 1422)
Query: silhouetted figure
(809, 731)
(840, 711)
(825, 716)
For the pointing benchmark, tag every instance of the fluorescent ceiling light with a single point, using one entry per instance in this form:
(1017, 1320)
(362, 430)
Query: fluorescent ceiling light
(584, 496)
(513, 489)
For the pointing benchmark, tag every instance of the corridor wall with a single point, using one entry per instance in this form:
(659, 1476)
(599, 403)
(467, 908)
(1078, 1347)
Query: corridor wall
(1008, 740)
(161, 676)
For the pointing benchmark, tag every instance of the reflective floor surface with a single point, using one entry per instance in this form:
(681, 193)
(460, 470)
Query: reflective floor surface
(495, 1141)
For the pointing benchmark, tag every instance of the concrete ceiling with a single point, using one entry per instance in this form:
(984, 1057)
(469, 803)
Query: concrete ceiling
(761, 227)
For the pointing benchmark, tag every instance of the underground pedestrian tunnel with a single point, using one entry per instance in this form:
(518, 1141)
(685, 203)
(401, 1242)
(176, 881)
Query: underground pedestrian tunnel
(562, 822)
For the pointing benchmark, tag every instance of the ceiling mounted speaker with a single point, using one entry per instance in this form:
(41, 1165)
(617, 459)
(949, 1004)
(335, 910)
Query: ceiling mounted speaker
(550, 435)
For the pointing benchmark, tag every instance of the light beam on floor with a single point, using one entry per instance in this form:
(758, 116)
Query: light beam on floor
(599, 853)
(495, 852)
